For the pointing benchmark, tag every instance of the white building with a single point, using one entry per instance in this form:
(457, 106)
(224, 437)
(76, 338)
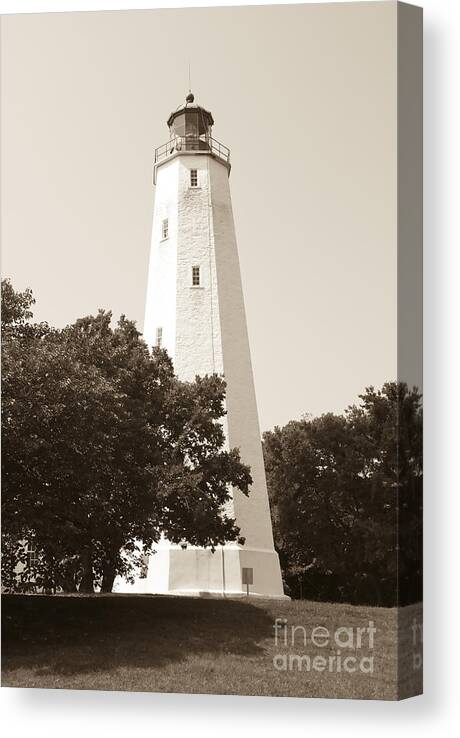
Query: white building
(195, 309)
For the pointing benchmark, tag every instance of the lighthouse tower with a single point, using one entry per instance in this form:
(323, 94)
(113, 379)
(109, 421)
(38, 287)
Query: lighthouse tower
(195, 310)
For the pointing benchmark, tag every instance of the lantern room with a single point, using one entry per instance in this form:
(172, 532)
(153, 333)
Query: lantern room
(190, 126)
(190, 132)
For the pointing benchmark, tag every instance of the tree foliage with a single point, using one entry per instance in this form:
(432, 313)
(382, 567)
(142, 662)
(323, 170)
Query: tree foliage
(346, 497)
(104, 449)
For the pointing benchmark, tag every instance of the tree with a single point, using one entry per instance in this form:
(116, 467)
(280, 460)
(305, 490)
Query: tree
(346, 496)
(16, 307)
(103, 449)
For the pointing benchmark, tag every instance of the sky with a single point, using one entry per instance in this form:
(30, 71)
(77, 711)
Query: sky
(304, 96)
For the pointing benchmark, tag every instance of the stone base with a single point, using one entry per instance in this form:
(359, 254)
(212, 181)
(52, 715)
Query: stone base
(197, 572)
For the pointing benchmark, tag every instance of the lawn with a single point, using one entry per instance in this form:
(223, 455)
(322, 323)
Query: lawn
(169, 644)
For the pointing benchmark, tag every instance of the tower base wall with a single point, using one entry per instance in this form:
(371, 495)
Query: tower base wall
(198, 572)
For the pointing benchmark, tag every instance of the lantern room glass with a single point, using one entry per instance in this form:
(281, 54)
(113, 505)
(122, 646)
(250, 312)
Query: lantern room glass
(190, 131)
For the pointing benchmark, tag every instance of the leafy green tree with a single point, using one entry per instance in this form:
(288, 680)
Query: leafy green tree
(103, 449)
(346, 496)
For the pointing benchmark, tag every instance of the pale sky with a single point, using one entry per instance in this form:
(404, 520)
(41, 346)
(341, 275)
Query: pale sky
(304, 96)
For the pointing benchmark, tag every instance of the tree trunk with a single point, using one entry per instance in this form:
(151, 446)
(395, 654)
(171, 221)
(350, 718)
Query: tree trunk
(108, 578)
(87, 580)
(67, 583)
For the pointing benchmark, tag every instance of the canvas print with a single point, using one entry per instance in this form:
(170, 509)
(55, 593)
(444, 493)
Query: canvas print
(211, 351)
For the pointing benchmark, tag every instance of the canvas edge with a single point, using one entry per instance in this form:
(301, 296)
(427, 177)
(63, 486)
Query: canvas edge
(409, 291)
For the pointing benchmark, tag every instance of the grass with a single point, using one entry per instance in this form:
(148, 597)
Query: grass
(168, 644)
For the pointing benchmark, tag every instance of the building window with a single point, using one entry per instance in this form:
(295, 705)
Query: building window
(196, 276)
(159, 337)
(164, 229)
(194, 178)
(32, 557)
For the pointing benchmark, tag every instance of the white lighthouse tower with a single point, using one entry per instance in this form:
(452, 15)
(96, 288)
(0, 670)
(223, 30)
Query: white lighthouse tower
(195, 310)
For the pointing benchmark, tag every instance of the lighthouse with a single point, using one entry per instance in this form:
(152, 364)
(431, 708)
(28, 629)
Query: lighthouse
(195, 310)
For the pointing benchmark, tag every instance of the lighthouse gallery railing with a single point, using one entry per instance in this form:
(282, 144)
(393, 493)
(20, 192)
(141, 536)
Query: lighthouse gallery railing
(183, 143)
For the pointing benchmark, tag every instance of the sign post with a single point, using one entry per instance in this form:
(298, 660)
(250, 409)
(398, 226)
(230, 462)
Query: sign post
(248, 578)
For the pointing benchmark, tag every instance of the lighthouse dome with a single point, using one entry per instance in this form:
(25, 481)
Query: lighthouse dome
(190, 119)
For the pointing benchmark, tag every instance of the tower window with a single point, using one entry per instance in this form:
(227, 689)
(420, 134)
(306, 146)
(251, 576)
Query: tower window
(165, 229)
(194, 178)
(32, 557)
(159, 337)
(196, 276)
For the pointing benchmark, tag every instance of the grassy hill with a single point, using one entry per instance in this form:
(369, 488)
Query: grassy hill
(168, 644)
